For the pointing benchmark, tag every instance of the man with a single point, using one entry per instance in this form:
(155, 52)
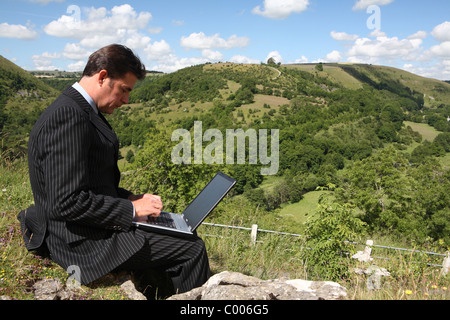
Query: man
(81, 215)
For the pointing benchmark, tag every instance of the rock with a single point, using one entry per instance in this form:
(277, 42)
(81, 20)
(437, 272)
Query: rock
(53, 289)
(364, 256)
(129, 288)
(236, 286)
(50, 289)
(373, 270)
(375, 273)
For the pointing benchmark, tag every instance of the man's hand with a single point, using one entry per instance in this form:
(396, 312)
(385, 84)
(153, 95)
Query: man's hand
(146, 205)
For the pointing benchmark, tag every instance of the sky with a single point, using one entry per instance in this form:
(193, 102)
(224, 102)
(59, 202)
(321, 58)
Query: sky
(170, 35)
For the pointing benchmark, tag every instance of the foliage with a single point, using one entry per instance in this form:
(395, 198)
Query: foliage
(397, 198)
(154, 172)
(189, 84)
(328, 232)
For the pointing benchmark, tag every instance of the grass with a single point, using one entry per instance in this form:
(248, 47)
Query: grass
(428, 132)
(300, 211)
(276, 256)
(273, 256)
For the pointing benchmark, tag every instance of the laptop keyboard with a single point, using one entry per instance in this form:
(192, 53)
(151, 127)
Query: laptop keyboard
(162, 220)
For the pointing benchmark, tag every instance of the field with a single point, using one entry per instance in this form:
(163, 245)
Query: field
(428, 133)
(302, 210)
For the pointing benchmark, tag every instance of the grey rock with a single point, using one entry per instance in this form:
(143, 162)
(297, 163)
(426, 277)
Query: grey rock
(50, 289)
(236, 286)
(130, 290)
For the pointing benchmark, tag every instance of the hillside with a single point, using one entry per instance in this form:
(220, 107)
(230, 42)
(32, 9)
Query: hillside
(331, 118)
(193, 90)
(353, 76)
(16, 81)
(22, 98)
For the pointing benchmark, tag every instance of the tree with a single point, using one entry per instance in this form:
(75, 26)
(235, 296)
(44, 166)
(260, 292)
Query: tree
(328, 232)
(271, 61)
(443, 140)
(397, 198)
(130, 156)
(154, 172)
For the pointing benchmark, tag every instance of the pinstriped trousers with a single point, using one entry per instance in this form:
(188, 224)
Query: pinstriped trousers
(184, 260)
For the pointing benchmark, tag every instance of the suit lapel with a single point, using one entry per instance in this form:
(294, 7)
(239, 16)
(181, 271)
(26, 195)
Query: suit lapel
(98, 120)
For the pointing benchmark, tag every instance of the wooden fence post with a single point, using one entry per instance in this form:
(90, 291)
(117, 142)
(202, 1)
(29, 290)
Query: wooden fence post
(364, 256)
(446, 264)
(254, 233)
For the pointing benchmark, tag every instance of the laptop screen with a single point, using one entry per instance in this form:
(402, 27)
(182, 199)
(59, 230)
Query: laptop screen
(208, 199)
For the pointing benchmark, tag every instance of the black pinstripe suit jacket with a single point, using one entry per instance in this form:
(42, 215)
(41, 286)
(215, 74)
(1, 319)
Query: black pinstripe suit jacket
(82, 215)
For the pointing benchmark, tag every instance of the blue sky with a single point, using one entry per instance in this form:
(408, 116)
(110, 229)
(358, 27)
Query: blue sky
(172, 34)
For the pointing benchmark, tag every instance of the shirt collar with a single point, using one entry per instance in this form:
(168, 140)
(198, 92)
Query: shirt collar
(88, 98)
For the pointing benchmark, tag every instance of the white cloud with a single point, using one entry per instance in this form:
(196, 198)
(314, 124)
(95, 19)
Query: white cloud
(17, 31)
(74, 51)
(342, 36)
(155, 30)
(121, 25)
(384, 47)
(303, 59)
(173, 63)
(77, 66)
(157, 51)
(137, 41)
(408, 53)
(377, 33)
(281, 9)
(201, 41)
(275, 55)
(364, 4)
(440, 70)
(418, 35)
(212, 55)
(44, 61)
(243, 59)
(334, 56)
(442, 50)
(442, 32)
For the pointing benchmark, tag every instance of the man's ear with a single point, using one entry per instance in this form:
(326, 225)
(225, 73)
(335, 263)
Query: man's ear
(102, 76)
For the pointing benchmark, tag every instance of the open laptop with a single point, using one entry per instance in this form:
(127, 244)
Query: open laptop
(187, 222)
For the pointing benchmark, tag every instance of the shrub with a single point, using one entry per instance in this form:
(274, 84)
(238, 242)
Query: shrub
(327, 233)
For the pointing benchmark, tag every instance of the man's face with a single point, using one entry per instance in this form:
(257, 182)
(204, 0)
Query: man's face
(115, 93)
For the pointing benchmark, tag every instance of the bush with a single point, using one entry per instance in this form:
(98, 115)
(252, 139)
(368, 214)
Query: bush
(327, 233)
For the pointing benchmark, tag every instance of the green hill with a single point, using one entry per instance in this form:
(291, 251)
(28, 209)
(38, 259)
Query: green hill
(193, 90)
(16, 81)
(22, 98)
(353, 76)
(331, 118)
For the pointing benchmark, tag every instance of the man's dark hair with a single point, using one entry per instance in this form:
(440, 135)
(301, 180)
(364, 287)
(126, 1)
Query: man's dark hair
(118, 60)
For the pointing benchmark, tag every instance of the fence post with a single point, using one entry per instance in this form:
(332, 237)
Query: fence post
(368, 248)
(364, 256)
(254, 233)
(446, 264)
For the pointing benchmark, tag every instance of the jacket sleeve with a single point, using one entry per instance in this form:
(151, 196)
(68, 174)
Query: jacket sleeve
(65, 142)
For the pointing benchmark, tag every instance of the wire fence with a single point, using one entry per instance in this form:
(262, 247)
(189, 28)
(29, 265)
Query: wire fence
(366, 254)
